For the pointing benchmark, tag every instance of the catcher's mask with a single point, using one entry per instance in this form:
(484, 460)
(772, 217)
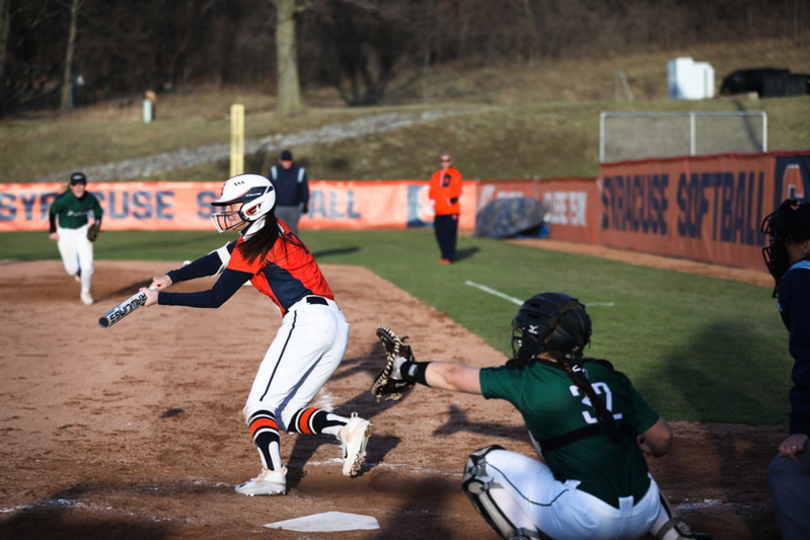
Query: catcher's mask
(256, 195)
(552, 322)
(788, 224)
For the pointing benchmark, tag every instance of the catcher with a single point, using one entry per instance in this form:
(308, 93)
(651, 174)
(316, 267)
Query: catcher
(74, 233)
(591, 428)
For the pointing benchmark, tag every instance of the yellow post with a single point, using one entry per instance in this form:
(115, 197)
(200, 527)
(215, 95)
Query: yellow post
(237, 139)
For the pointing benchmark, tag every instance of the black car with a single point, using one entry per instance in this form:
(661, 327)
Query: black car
(766, 82)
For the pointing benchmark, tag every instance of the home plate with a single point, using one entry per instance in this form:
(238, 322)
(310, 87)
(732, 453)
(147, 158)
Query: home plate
(327, 522)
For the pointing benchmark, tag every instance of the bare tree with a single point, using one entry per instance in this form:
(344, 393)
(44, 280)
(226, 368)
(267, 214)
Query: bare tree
(5, 22)
(288, 86)
(67, 80)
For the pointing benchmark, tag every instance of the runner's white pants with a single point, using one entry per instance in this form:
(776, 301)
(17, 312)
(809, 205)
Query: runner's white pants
(307, 350)
(559, 509)
(77, 252)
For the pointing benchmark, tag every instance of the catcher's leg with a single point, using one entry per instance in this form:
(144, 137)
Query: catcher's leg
(668, 526)
(495, 504)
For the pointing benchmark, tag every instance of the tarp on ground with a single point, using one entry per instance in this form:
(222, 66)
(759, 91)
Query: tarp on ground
(504, 218)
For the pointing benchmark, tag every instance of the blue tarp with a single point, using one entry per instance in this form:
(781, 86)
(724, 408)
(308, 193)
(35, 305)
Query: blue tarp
(505, 218)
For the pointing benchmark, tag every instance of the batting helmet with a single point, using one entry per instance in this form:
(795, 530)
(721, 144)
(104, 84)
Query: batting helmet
(550, 322)
(788, 224)
(256, 195)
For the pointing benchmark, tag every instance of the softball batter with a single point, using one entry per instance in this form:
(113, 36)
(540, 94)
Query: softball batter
(308, 347)
(68, 227)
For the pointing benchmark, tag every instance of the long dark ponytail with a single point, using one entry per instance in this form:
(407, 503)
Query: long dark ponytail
(262, 241)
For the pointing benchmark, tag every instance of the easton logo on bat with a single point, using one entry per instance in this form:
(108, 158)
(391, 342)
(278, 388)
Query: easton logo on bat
(122, 310)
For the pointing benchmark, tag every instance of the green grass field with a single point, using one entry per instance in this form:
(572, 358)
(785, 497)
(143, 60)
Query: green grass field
(698, 348)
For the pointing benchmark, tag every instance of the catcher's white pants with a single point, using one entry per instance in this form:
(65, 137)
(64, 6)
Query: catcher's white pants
(77, 252)
(559, 509)
(307, 350)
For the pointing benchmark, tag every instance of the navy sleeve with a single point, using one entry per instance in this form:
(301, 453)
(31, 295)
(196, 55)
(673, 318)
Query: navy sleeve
(225, 287)
(202, 267)
(797, 318)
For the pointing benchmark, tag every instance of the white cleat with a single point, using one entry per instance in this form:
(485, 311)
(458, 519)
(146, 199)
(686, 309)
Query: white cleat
(78, 277)
(87, 300)
(353, 438)
(267, 483)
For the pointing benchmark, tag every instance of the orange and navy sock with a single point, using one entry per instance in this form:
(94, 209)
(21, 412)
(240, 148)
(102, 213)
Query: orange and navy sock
(264, 430)
(312, 421)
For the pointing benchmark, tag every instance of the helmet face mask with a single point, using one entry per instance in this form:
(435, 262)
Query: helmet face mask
(553, 323)
(227, 220)
(788, 224)
(253, 193)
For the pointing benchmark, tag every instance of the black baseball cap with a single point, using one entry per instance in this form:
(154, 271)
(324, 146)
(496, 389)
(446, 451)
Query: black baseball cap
(286, 155)
(77, 178)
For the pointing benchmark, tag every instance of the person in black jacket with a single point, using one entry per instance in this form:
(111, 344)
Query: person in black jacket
(788, 259)
(292, 190)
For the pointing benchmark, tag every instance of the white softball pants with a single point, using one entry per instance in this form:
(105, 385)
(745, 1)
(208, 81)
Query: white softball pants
(307, 350)
(559, 509)
(77, 252)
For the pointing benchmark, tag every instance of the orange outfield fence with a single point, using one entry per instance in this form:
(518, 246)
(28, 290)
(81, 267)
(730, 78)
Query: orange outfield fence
(705, 208)
(174, 206)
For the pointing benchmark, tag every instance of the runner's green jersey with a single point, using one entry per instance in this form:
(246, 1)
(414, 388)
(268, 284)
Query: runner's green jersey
(72, 212)
(552, 405)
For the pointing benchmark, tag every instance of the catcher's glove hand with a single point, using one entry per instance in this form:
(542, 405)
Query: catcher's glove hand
(93, 230)
(389, 382)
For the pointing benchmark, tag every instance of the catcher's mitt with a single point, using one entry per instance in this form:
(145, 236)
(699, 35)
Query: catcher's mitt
(388, 383)
(93, 230)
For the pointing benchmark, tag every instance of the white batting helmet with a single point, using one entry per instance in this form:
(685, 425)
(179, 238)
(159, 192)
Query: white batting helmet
(256, 195)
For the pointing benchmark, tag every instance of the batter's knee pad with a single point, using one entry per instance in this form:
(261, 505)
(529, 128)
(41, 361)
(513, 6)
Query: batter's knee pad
(476, 483)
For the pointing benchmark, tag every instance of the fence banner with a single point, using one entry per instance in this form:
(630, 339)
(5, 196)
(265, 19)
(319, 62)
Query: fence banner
(573, 203)
(377, 204)
(706, 208)
(152, 206)
(130, 206)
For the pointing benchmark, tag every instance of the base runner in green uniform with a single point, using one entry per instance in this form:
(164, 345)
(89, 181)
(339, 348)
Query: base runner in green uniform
(68, 227)
(591, 428)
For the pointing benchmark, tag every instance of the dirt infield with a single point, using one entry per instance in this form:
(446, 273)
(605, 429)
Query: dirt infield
(135, 431)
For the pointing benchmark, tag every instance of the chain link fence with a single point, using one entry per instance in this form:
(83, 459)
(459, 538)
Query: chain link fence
(642, 135)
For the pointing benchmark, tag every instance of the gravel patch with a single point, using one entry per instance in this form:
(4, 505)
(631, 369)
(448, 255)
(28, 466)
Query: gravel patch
(187, 158)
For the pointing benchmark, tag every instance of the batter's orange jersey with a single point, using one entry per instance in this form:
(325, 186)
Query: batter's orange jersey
(445, 185)
(287, 274)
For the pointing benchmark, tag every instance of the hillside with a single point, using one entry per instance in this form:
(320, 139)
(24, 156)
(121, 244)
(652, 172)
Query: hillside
(518, 121)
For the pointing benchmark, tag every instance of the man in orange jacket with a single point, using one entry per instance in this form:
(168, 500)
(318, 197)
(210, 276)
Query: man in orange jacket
(445, 191)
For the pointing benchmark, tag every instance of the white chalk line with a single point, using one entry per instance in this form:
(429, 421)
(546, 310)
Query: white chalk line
(520, 302)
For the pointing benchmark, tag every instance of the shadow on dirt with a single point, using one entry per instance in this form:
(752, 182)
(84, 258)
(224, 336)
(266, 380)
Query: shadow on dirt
(364, 404)
(57, 518)
(741, 453)
(420, 516)
(459, 421)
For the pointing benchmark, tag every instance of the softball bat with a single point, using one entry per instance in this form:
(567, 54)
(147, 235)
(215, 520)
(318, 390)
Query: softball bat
(123, 309)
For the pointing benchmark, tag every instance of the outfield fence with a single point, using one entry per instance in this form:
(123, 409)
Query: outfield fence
(704, 208)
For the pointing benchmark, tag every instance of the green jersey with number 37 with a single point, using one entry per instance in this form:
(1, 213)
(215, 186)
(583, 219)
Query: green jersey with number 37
(552, 405)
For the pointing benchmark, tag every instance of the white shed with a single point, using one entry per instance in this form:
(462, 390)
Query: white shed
(689, 79)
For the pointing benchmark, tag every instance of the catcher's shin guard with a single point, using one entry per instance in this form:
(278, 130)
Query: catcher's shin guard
(674, 527)
(477, 484)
